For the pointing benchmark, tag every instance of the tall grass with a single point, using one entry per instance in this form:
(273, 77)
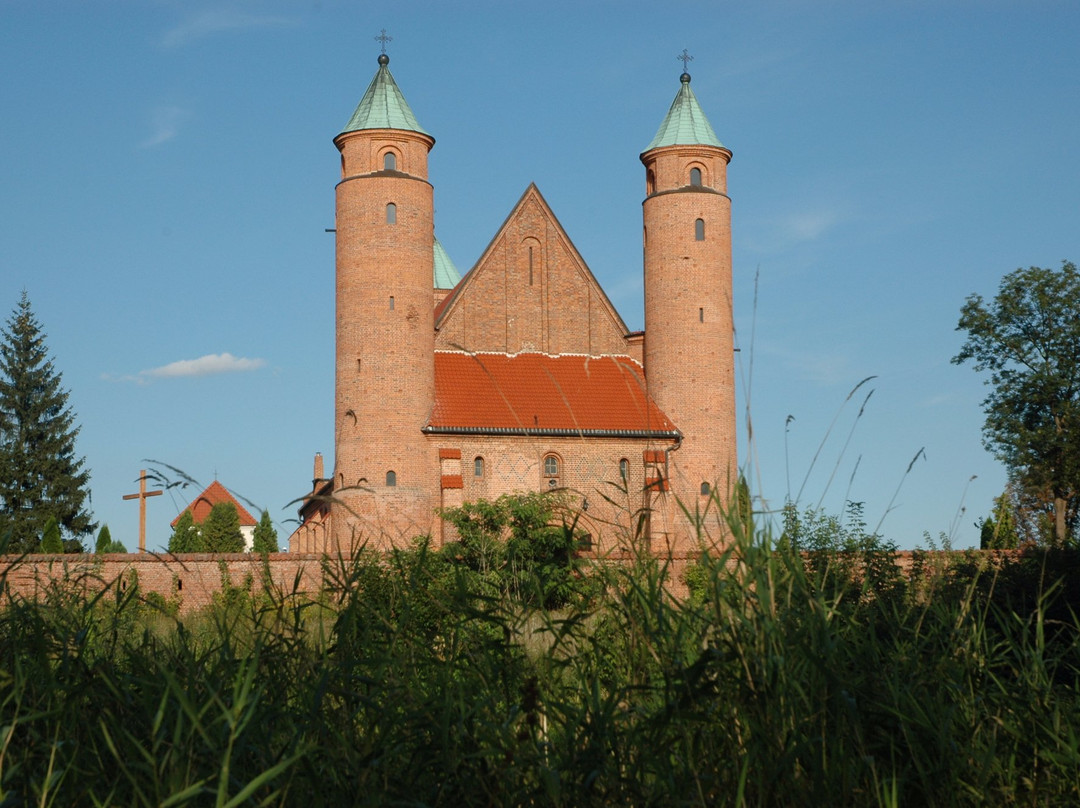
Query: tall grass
(781, 679)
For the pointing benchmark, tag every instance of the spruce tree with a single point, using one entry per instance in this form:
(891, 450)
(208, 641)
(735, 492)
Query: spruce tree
(41, 477)
(265, 538)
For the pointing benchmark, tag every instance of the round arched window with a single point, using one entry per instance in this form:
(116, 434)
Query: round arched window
(389, 161)
(695, 177)
(551, 471)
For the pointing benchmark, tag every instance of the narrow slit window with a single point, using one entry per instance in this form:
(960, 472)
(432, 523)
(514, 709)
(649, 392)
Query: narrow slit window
(389, 161)
(530, 266)
(701, 315)
(391, 302)
(391, 479)
(478, 467)
(699, 230)
(624, 469)
(391, 213)
(695, 177)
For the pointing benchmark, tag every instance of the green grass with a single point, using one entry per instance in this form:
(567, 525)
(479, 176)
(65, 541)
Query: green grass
(413, 680)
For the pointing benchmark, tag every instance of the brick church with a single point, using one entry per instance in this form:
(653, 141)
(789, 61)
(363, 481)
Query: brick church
(521, 375)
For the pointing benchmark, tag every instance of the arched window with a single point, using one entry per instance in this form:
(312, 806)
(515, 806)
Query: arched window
(478, 467)
(551, 471)
(391, 479)
(650, 182)
(391, 213)
(705, 489)
(695, 177)
(699, 229)
(624, 469)
(389, 162)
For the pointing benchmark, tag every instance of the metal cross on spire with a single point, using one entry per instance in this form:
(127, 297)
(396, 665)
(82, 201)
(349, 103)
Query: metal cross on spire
(685, 58)
(383, 38)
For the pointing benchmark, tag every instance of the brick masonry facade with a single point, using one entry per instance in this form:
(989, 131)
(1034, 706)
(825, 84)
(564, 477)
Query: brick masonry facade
(532, 293)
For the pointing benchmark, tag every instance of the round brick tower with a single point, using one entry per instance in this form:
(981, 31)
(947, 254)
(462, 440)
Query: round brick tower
(689, 344)
(384, 475)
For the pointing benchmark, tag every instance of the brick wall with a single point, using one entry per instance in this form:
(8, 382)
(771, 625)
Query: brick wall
(190, 578)
(193, 578)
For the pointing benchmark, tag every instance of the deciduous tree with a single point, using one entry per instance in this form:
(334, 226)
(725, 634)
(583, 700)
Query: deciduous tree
(1028, 339)
(40, 474)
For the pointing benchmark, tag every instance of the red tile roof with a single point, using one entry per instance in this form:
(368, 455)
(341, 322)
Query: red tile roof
(544, 395)
(201, 506)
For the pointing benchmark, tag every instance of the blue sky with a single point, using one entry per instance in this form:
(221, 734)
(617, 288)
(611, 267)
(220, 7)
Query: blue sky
(167, 173)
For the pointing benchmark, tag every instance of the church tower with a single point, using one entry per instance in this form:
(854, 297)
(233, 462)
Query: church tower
(385, 378)
(689, 342)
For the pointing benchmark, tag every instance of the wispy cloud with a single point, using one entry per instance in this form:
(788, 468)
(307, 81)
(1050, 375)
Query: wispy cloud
(216, 21)
(810, 224)
(208, 365)
(164, 124)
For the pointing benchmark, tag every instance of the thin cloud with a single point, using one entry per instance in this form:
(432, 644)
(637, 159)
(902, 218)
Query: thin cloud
(164, 123)
(208, 365)
(809, 225)
(217, 21)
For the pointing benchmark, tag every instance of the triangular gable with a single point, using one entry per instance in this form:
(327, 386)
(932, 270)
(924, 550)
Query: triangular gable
(532, 292)
(214, 493)
(536, 394)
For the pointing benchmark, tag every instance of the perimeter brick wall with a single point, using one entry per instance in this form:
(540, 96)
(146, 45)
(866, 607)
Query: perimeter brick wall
(200, 574)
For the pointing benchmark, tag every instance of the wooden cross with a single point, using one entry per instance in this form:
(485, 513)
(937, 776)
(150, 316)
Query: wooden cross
(141, 496)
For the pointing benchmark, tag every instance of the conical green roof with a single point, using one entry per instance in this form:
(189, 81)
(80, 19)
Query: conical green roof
(446, 274)
(685, 123)
(383, 106)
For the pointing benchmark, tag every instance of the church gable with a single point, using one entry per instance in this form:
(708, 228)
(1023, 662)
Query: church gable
(531, 292)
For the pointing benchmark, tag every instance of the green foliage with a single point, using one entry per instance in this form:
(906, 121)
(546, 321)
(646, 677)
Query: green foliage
(524, 544)
(999, 531)
(186, 537)
(265, 539)
(40, 475)
(221, 529)
(105, 543)
(408, 682)
(1028, 339)
(50, 539)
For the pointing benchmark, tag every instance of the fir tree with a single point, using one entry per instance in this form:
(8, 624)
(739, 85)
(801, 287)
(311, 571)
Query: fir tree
(186, 538)
(265, 537)
(221, 530)
(40, 475)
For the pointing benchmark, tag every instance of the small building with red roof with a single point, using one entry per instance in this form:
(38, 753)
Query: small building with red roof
(212, 495)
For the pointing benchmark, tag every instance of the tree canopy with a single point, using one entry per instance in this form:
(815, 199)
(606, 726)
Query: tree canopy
(1028, 339)
(41, 477)
(186, 537)
(221, 530)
